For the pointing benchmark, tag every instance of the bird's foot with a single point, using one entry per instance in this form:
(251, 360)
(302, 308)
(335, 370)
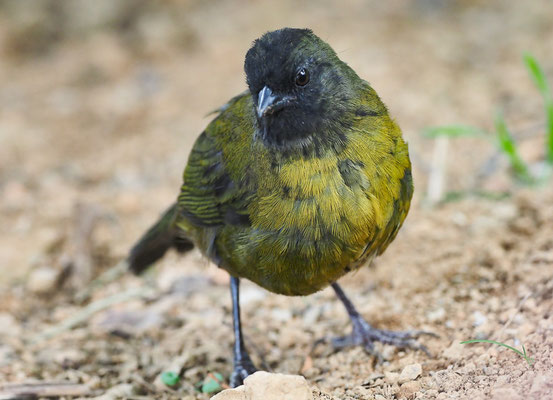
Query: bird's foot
(365, 335)
(242, 369)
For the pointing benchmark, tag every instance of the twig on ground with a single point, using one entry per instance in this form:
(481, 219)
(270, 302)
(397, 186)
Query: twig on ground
(79, 266)
(90, 310)
(107, 276)
(519, 307)
(34, 390)
(436, 180)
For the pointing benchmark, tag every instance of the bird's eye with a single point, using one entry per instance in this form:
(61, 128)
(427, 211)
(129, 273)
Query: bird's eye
(302, 78)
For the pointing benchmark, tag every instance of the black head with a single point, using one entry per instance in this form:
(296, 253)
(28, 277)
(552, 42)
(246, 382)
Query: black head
(300, 89)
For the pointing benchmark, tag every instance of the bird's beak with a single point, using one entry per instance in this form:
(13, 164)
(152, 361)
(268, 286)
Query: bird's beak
(265, 101)
(268, 102)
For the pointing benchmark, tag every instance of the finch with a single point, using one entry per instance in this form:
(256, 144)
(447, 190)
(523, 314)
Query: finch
(297, 181)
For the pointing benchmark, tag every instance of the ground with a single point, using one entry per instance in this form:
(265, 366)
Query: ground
(99, 107)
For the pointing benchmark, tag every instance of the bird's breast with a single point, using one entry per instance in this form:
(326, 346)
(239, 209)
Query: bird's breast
(309, 224)
(313, 200)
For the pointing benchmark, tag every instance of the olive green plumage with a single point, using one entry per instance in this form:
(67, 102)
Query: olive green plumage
(295, 196)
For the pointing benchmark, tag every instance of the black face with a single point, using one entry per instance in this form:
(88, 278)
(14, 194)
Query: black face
(300, 88)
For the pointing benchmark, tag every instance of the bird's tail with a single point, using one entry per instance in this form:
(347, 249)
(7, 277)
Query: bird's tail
(162, 236)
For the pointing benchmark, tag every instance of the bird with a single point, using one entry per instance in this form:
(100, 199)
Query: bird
(297, 181)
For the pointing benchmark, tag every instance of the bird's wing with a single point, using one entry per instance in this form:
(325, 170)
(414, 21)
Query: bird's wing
(214, 190)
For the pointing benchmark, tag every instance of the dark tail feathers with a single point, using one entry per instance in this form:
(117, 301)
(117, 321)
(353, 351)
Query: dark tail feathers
(156, 241)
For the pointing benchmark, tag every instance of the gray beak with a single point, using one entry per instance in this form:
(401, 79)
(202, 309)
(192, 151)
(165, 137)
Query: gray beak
(265, 102)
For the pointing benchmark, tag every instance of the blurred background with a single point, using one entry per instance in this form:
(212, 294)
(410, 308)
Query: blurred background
(101, 101)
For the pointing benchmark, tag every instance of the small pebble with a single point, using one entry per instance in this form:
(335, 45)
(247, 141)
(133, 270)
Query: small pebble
(505, 393)
(391, 377)
(478, 318)
(502, 380)
(436, 315)
(281, 314)
(311, 315)
(410, 373)
(123, 390)
(266, 386)
(408, 389)
(455, 351)
(42, 280)
(9, 325)
(252, 295)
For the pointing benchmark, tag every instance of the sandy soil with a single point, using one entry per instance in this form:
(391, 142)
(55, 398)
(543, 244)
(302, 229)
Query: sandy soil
(99, 107)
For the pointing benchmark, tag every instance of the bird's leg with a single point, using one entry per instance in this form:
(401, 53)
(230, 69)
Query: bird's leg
(243, 365)
(365, 335)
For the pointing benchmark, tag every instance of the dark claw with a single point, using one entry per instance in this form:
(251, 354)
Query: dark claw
(241, 371)
(365, 335)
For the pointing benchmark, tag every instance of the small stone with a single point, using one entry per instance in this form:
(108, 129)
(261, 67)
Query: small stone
(478, 318)
(266, 386)
(542, 384)
(281, 314)
(9, 325)
(391, 377)
(526, 329)
(251, 295)
(130, 322)
(238, 393)
(379, 397)
(123, 390)
(311, 315)
(7, 355)
(436, 315)
(502, 380)
(42, 280)
(16, 196)
(410, 373)
(468, 368)
(448, 381)
(506, 393)
(454, 351)
(374, 377)
(69, 358)
(387, 352)
(505, 212)
(408, 390)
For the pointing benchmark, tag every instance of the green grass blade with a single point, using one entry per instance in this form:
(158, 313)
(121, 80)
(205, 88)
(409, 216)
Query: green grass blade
(528, 359)
(493, 342)
(508, 146)
(538, 76)
(520, 353)
(536, 73)
(549, 113)
(453, 131)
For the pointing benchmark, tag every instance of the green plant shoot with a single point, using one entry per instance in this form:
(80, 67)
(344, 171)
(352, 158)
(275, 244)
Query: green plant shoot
(505, 142)
(508, 146)
(537, 75)
(453, 131)
(522, 353)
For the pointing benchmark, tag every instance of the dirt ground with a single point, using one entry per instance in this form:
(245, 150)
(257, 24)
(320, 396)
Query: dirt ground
(100, 103)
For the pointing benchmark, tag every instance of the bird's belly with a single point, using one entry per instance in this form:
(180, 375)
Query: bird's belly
(304, 244)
